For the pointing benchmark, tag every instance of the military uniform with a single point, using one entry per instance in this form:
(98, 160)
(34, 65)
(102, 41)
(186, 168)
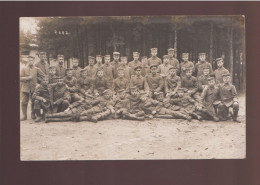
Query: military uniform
(202, 82)
(173, 61)
(184, 66)
(115, 64)
(60, 69)
(43, 66)
(85, 85)
(191, 84)
(134, 63)
(121, 83)
(219, 72)
(108, 72)
(172, 83)
(28, 78)
(228, 97)
(200, 66)
(154, 61)
(73, 87)
(140, 82)
(91, 69)
(121, 105)
(100, 84)
(155, 82)
(163, 69)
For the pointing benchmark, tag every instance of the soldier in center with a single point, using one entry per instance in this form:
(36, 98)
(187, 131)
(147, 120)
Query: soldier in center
(155, 81)
(154, 60)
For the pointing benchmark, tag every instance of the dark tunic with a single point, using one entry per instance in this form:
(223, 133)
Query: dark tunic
(155, 82)
(228, 94)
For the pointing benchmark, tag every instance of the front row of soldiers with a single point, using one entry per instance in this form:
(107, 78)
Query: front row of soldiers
(152, 96)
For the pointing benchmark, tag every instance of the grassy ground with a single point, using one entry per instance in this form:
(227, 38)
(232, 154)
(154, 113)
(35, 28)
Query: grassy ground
(123, 139)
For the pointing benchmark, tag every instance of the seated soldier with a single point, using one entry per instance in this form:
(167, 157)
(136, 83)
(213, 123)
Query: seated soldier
(187, 105)
(172, 83)
(100, 83)
(228, 97)
(163, 69)
(139, 81)
(121, 104)
(72, 113)
(52, 75)
(201, 64)
(60, 97)
(85, 84)
(121, 82)
(155, 81)
(203, 79)
(165, 110)
(190, 83)
(71, 82)
(102, 110)
(210, 98)
(41, 98)
(186, 64)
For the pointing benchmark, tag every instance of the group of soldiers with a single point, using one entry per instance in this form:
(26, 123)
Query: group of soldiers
(138, 90)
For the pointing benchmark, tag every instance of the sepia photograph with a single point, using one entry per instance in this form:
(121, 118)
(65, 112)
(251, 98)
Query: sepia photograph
(132, 87)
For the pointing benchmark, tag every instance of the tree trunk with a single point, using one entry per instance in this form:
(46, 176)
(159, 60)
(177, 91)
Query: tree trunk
(175, 40)
(231, 59)
(170, 35)
(211, 44)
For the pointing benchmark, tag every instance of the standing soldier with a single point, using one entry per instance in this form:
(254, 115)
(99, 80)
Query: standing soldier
(60, 69)
(172, 60)
(201, 64)
(76, 68)
(228, 97)
(135, 62)
(108, 71)
(91, 69)
(172, 83)
(139, 81)
(60, 96)
(190, 83)
(42, 64)
(145, 68)
(121, 82)
(155, 81)
(85, 84)
(220, 71)
(154, 60)
(100, 83)
(28, 78)
(115, 63)
(52, 75)
(186, 64)
(163, 69)
(99, 62)
(41, 98)
(127, 70)
(210, 98)
(203, 79)
(71, 82)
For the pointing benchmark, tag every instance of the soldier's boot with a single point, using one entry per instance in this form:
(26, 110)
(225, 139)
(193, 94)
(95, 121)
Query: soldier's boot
(196, 116)
(234, 116)
(85, 118)
(58, 119)
(221, 114)
(215, 118)
(95, 118)
(180, 115)
(38, 115)
(24, 111)
(134, 117)
(33, 115)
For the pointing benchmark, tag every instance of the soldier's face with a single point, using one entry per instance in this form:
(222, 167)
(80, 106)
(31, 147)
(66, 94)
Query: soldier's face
(122, 95)
(226, 79)
(220, 63)
(154, 70)
(52, 71)
(69, 74)
(100, 74)
(211, 83)
(136, 57)
(154, 53)
(107, 60)
(116, 57)
(188, 73)
(84, 74)
(99, 60)
(124, 61)
(31, 62)
(172, 72)
(45, 81)
(61, 60)
(185, 58)
(138, 72)
(91, 62)
(144, 61)
(171, 53)
(60, 81)
(107, 96)
(43, 57)
(134, 92)
(121, 73)
(166, 60)
(206, 72)
(202, 57)
(75, 63)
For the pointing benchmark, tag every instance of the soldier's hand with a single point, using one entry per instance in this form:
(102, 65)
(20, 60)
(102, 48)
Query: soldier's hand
(96, 94)
(154, 112)
(44, 100)
(67, 110)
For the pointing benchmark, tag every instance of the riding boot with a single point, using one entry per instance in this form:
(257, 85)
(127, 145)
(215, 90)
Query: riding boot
(235, 113)
(24, 111)
(58, 119)
(196, 116)
(134, 117)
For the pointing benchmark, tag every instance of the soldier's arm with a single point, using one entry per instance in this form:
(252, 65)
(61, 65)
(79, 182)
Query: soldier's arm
(200, 84)
(234, 93)
(166, 88)
(36, 94)
(204, 93)
(178, 85)
(161, 85)
(22, 76)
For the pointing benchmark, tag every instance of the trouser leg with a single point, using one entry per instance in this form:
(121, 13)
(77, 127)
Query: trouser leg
(222, 112)
(64, 105)
(24, 105)
(235, 111)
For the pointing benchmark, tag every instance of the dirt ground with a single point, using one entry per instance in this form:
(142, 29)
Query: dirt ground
(122, 139)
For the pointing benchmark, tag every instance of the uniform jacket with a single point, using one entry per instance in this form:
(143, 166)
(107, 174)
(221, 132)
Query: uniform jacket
(199, 68)
(145, 70)
(91, 71)
(218, 74)
(172, 83)
(71, 83)
(140, 82)
(60, 70)
(154, 61)
(29, 85)
(43, 66)
(134, 63)
(210, 96)
(52, 79)
(121, 103)
(186, 65)
(155, 83)
(202, 81)
(186, 103)
(115, 65)
(108, 71)
(121, 83)
(175, 63)
(42, 91)
(228, 94)
(60, 93)
(164, 69)
(190, 84)
(85, 85)
(76, 72)
(100, 85)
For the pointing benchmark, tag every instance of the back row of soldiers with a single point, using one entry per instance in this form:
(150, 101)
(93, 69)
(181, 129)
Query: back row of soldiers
(135, 90)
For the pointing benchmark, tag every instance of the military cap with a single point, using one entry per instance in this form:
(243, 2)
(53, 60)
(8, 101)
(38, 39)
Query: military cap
(107, 91)
(154, 65)
(144, 57)
(116, 53)
(123, 57)
(42, 53)
(30, 56)
(202, 54)
(170, 49)
(137, 67)
(173, 67)
(205, 67)
(100, 56)
(107, 56)
(154, 49)
(52, 67)
(91, 58)
(121, 90)
(69, 69)
(226, 74)
(218, 59)
(165, 56)
(60, 56)
(185, 54)
(210, 78)
(136, 53)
